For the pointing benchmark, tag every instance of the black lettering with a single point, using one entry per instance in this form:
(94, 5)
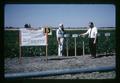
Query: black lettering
(48, 30)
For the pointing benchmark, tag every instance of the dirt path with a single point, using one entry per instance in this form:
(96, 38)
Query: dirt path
(30, 64)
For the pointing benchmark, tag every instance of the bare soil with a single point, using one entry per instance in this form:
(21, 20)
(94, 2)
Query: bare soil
(39, 63)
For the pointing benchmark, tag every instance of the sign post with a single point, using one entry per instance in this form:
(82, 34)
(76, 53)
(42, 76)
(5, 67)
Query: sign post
(47, 31)
(75, 46)
(107, 35)
(75, 36)
(19, 47)
(83, 48)
(67, 46)
(46, 45)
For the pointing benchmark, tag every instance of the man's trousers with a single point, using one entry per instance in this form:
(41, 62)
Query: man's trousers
(60, 47)
(92, 47)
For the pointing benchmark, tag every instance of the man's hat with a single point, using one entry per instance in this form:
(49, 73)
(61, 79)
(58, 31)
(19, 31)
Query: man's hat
(91, 23)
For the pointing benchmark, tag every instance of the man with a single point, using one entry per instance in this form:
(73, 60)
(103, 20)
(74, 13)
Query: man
(60, 39)
(92, 35)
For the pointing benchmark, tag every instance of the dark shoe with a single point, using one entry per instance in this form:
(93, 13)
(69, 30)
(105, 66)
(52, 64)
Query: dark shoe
(93, 57)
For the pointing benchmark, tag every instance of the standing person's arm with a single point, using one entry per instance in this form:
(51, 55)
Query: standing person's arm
(85, 33)
(95, 40)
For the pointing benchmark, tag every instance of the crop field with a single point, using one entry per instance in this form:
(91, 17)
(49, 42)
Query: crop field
(33, 57)
(11, 44)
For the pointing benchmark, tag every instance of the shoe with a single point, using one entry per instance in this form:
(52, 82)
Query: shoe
(59, 55)
(93, 57)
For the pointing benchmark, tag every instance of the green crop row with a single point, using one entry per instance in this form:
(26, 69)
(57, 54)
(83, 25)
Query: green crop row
(11, 44)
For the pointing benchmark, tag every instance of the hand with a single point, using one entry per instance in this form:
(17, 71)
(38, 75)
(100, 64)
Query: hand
(82, 35)
(94, 42)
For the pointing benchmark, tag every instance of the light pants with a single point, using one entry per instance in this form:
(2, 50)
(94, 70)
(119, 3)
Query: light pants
(60, 47)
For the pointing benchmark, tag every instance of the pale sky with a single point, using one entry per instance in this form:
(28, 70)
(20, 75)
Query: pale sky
(71, 15)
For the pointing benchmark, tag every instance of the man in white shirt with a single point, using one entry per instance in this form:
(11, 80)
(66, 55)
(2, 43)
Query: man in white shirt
(92, 35)
(60, 39)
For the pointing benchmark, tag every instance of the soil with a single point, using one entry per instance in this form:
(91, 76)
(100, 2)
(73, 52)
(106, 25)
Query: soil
(39, 63)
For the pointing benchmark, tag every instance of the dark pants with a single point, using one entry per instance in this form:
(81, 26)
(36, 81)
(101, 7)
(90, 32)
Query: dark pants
(92, 47)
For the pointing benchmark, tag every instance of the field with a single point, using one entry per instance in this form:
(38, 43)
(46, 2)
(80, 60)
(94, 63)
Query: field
(33, 57)
(11, 44)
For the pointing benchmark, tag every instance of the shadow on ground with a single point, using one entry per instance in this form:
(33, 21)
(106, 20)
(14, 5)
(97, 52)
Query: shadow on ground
(102, 55)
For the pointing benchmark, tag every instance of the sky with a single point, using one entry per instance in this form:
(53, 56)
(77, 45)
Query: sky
(71, 15)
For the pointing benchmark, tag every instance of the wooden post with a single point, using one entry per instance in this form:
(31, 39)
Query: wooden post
(75, 47)
(83, 48)
(19, 46)
(46, 45)
(67, 46)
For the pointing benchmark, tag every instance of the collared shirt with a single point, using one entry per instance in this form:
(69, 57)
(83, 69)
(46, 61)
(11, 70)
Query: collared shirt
(92, 32)
(59, 33)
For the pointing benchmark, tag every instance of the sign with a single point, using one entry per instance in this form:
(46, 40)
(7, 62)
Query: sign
(107, 34)
(66, 35)
(32, 37)
(98, 34)
(74, 35)
(48, 30)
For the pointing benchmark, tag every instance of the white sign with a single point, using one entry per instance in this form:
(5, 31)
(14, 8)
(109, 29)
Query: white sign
(32, 37)
(98, 34)
(107, 34)
(74, 35)
(47, 30)
(66, 35)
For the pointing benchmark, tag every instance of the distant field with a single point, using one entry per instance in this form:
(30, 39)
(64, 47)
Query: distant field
(11, 44)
